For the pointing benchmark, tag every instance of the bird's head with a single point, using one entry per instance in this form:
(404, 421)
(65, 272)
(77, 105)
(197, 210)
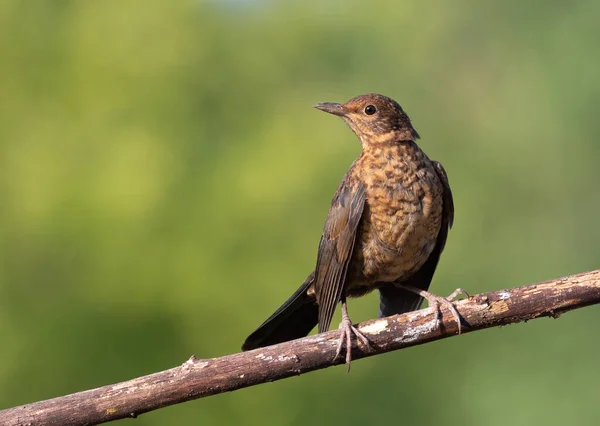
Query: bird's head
(374, 118)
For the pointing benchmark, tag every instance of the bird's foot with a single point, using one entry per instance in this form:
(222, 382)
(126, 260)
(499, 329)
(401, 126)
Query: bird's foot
(458, 292)
(346, 332)
(436, 301)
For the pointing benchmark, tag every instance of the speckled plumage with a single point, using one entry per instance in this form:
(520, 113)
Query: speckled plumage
(387, 226)
(402, 215)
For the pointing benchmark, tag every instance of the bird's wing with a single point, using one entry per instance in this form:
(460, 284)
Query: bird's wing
(448, 215)
(335, 249)
(394, 300)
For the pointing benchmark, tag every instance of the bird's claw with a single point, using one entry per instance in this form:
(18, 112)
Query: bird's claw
(435, 301)
(448, 302)
(458, 292)
(346, 332)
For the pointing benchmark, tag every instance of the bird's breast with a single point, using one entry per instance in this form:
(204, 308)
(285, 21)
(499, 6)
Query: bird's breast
(402, 217)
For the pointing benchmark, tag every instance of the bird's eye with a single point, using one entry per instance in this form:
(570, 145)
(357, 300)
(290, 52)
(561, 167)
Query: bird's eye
(370, 110)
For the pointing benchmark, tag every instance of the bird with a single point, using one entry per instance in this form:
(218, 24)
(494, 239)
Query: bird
(386, 229)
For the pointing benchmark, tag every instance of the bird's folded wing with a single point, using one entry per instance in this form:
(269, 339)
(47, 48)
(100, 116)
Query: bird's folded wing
(335, 249)
(447, 195)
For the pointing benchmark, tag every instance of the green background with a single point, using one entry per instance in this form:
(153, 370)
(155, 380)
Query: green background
(164, 181)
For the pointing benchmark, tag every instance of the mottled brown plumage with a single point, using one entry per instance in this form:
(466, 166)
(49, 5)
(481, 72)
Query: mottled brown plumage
(386, 228)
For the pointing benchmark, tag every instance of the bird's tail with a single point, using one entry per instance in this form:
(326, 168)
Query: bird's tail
(394, 300)
(294, 319)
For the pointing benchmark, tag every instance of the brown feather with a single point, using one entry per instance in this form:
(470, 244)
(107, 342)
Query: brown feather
(335, 249)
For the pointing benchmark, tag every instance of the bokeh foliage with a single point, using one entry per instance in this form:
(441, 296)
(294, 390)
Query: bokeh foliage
(164, 182)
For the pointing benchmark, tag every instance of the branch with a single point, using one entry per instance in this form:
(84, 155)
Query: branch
(198, 378)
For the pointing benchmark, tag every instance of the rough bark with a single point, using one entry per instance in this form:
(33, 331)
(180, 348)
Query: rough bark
(197, 378)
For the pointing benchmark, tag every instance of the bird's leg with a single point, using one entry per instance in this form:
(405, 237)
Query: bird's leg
(346, 332)
(436, 301)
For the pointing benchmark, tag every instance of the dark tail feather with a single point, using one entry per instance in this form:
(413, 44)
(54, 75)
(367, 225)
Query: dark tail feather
(394, 300)
(294, 319)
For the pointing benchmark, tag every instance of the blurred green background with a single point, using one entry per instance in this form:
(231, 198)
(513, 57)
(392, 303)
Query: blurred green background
(164, 182)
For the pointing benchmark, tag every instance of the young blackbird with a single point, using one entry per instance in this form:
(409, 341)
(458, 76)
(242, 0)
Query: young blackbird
(386, 229)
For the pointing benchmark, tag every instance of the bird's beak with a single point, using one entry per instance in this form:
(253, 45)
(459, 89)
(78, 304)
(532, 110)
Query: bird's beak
(332, 108)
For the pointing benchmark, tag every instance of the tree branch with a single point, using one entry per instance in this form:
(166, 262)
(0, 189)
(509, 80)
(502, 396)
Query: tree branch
(198, 378)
